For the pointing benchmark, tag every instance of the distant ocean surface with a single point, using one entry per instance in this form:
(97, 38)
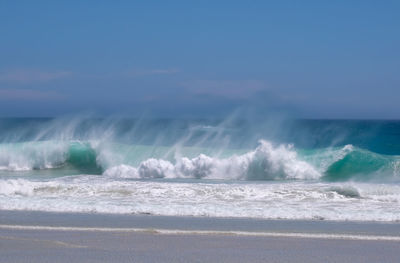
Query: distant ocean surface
(272, 169)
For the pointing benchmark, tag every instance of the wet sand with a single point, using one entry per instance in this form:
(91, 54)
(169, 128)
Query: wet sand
(69, 237)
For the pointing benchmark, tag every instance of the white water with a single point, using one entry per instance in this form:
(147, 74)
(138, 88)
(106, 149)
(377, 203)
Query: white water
(272, 200)
(266, 162)
(290, 186)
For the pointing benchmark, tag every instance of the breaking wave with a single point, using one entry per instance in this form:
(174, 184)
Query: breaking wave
(47, 155)
(202, 168)
(266, 162)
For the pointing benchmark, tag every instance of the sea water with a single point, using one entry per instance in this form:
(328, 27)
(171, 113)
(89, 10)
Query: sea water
(286, 169)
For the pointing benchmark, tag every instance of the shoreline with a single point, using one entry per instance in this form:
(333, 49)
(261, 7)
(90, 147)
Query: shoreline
(188, 223)
(28, 236)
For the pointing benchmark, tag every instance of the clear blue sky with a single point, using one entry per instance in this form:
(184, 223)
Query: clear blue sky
(318, 59)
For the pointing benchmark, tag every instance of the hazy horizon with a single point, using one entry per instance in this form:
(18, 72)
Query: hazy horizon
(307, 60)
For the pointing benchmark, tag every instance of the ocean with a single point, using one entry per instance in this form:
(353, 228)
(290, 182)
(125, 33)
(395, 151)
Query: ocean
(273, 168)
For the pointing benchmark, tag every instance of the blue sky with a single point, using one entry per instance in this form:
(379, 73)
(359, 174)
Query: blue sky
(313, 59)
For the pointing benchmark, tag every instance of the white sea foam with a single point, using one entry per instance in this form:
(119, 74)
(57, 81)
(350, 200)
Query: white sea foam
(273, 200)
(289, 189)
(266, 162)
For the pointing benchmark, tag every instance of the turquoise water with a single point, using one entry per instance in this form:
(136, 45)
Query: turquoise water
(339, 150)
(294, 169)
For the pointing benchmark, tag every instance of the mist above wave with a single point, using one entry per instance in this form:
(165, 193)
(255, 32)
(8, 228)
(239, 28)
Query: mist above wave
(266, 162)
(228, 149)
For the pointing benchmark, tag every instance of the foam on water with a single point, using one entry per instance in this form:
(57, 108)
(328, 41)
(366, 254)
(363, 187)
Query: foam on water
(264, 163)
(193, 169)
(295, 200)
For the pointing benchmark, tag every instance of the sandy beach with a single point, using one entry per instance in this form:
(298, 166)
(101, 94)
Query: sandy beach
(77, 237)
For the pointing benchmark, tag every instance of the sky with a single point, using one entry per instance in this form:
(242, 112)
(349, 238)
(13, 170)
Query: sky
(309, 59)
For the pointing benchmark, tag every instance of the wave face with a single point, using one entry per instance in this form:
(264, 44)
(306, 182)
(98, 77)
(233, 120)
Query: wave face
(198, 168)
(265, 162)
(47, 155)
(362, 164)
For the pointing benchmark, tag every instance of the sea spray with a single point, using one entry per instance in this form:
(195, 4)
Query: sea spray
(264, 163)
(338, 170)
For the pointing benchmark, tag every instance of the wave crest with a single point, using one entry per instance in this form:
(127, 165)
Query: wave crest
(355, 163)
(266, 162)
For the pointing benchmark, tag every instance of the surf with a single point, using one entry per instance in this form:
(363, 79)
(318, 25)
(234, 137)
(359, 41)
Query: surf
(266, 162)
(227, 168)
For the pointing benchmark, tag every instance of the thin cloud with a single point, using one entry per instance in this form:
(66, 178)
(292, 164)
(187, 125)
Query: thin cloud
(28, 95)
(151, 72)
(25, 76)
(132, 73)
(225, 88)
